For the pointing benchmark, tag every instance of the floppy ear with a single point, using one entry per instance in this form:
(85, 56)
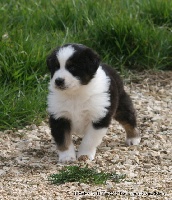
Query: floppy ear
(91, 59)
(50, 60)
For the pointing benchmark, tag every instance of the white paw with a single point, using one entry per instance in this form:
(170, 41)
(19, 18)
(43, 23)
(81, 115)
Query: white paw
(68, 155)
(67, 158)
(133, 141)
(89, 153)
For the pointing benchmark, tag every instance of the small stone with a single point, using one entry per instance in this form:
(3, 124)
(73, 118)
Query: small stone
(160, 137)
(134, 152)
(156, 147)
(115, 159)
(23, 144)
(109, 185)
(112, 144)
(137, 160)
(123, 148)
(34, 137)
(104, 148)
(147, 165)
(154, 153)
(83, 158)
(128, 161)
(2, 172)
(83, 185)
(33, 127)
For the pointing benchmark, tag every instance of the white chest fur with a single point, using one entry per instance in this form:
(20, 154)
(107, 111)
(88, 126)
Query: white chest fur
(88, 104)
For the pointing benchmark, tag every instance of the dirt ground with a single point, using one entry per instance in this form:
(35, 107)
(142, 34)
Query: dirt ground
(28, 156)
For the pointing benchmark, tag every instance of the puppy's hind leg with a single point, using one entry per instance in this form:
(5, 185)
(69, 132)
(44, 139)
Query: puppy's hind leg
(126, 116)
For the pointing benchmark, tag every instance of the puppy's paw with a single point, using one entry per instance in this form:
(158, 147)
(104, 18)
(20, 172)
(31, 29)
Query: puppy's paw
(86, 153)
(63, 159)
(66, 156)
(133, 141)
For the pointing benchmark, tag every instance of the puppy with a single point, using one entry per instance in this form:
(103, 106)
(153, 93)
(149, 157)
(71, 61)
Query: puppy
(84, 96)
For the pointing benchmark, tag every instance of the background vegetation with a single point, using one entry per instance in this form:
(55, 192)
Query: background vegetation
(128, 34)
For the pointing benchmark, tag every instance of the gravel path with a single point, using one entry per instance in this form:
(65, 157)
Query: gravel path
(28, 156)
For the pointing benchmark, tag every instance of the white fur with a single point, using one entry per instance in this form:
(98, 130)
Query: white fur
(68, 155)
(71, 82)
(90, 142)
(85, 105)
(64, 54)
(133, 141)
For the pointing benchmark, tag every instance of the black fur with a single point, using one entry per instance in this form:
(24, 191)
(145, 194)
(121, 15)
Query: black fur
(83, 65)
(60, 130)
(52, 63)
(121, 107)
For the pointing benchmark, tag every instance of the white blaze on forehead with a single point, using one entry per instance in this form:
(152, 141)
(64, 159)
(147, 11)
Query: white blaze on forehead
(64, 54)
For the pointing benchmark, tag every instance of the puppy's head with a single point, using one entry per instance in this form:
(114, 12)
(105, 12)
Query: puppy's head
(72, 66)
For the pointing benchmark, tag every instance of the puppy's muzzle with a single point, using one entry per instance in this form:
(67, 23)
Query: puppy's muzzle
(60, 83)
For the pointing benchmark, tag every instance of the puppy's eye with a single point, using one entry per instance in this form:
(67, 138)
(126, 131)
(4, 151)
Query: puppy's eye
(72, 68)
(57, 65)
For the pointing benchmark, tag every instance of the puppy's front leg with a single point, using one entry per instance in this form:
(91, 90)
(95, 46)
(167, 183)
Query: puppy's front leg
(61, 131)
(90, 141)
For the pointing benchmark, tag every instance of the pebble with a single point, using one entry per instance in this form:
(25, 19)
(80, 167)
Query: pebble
(104, 148)
(154, 153)
(147, 166)
(156, 147)
(23, 144)
(109, 185)
(33, 127)
(2, 172)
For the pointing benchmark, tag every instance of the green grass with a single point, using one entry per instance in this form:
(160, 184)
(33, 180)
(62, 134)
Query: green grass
(128, 34)
(22, 107)
(84, 175)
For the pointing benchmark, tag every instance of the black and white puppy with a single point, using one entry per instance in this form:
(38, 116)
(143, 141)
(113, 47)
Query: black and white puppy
(84, 96)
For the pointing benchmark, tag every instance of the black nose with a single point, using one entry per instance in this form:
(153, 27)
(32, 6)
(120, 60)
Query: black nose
(59, 82)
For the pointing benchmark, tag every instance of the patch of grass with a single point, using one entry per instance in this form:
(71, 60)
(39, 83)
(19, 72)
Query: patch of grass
(84, 175)
(20, 108)
(157, 12)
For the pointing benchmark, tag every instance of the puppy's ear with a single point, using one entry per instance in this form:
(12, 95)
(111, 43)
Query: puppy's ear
(92, 59)
(50, 60)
